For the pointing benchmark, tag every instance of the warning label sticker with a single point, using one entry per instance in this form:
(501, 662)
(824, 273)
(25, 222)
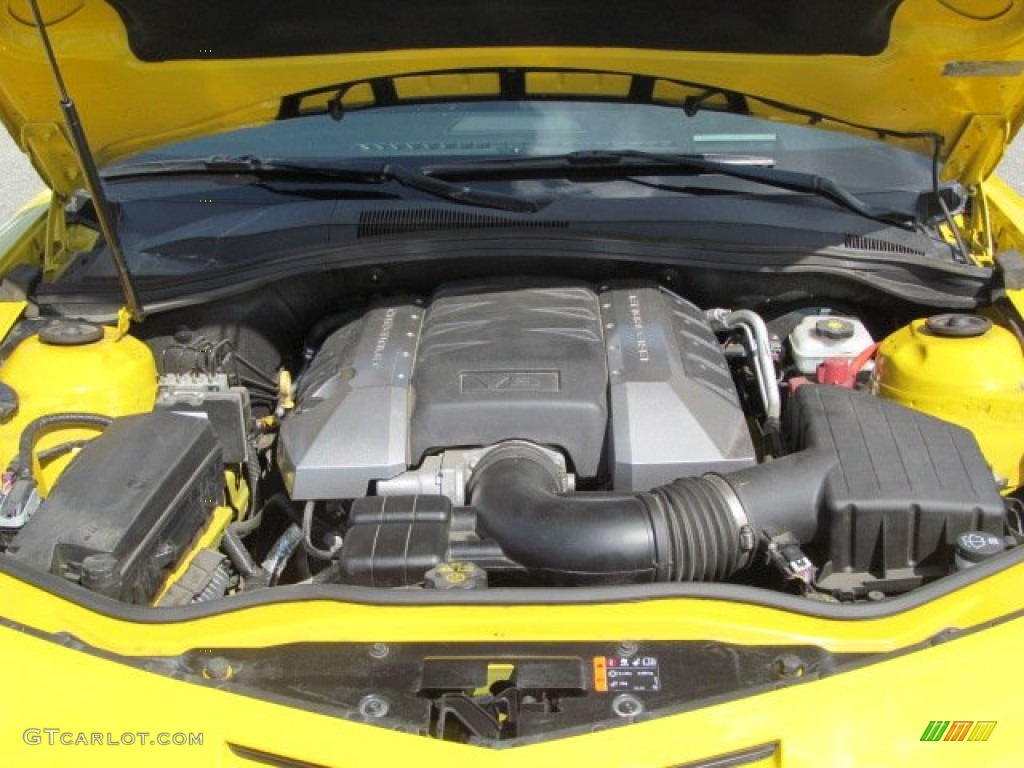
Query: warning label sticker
(614, 673)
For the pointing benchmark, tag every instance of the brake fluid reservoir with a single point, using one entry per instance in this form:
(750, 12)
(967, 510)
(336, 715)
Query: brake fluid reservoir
(966, 370)
(74, 366)
(817, 338)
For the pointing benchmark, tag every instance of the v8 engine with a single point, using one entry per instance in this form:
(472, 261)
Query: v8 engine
(626, 381)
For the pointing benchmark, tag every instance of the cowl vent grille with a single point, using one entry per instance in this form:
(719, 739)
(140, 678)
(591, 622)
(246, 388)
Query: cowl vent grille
(863, 243)
(400, 222)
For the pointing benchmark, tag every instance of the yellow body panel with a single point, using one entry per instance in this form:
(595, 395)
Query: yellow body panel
(873, 716)
(977, 383)
(10, 311)
(109, 377)
(1006, 215)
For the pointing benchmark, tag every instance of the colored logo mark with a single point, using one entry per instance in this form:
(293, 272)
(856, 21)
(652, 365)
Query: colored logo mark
(958, 730)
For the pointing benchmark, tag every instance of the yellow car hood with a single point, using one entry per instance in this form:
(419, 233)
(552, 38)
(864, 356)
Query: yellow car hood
(145, 73)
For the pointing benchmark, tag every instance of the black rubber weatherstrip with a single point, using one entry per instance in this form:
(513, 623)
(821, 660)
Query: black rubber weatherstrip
(515, 596)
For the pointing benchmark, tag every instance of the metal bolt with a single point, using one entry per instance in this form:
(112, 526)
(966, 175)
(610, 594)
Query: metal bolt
(788, 665)
(627, 705)
(379, 650)
(217, 668)
(627, 648)
(747, 539)
(373, 706)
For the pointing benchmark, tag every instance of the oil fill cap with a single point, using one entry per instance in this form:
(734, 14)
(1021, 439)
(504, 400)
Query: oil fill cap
(70, 333)
(958, 326)
(837, 328)
(975, 547)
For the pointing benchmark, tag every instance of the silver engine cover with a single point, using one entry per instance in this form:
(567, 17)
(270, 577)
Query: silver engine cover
(628, 382)
(674, 407)
(350, 426)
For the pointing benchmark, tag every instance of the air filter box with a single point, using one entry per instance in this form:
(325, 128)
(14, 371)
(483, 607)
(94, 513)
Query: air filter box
(128, 507)
(904, 486)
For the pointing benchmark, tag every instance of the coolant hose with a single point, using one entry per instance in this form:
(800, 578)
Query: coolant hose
(693, 529)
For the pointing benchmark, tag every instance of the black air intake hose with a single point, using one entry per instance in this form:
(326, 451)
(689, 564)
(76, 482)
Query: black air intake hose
(693, 529)
(877, 487)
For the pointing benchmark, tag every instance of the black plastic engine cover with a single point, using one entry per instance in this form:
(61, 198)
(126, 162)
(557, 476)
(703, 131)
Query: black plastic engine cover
(904, 486)
(512, 361)
(128, 507)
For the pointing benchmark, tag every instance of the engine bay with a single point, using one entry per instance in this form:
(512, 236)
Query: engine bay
(513, 432)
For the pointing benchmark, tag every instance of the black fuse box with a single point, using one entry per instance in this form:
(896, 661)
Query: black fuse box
(128, 507)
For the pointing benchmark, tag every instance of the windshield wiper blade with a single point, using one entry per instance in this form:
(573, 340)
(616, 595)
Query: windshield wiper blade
(604, 164)
(355, 172)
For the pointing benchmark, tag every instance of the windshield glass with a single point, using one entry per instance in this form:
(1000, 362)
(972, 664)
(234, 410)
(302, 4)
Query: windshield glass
(201, 205)
(420, 134)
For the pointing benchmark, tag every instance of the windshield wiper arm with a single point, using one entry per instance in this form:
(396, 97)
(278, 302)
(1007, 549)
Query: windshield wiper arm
(356, 173)
(621, 164)
(460, 194)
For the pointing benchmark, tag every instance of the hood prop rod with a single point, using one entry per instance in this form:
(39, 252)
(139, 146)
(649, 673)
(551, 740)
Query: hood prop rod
(104, 212)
